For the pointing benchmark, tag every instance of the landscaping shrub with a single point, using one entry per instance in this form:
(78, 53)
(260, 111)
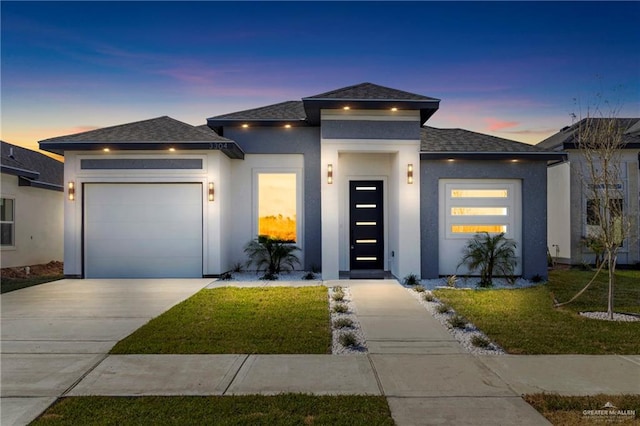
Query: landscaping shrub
(428, 297)
(457, 321)
(309, 276)
(480, 342)
(411, 279)
(348, 340)
(490, 255)
(419, 289)
(343, 323)
(442, 309)
(340, 308)
(271, 255)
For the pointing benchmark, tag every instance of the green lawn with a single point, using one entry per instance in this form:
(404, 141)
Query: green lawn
(228, 320)
(570, 410)
(11, 284)
(286, 409)
(524, 321)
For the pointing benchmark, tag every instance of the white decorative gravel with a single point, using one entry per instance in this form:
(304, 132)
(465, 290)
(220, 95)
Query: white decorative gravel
(355, 329)
(605, 316)
(463, 336)
(472, 283)
(252, 276)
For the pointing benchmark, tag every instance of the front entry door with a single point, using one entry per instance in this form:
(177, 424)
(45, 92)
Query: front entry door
(366, 224)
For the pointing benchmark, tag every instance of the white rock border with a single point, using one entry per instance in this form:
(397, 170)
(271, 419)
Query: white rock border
(465, 335)
(337, 348)
(604, 316)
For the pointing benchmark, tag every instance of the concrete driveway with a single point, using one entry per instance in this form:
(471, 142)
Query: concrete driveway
(54, 334)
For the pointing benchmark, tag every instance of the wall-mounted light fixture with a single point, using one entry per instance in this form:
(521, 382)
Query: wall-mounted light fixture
(72, 191)
(330, 174)
(211, 192)
(409, 173)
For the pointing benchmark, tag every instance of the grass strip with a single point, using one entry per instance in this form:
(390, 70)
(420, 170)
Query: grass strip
(11, 284)
(284, 409)
(229, 320)
(586, 410)
(524, 321)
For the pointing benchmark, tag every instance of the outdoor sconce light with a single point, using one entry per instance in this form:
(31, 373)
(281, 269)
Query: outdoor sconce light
(410, 173)
(330, 174)
(72, 191)
(210, 196)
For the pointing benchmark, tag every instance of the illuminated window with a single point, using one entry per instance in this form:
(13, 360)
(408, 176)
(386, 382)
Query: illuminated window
(7, 222)
(478, 211)
(474, 229)
(277, 206)
(479, 193)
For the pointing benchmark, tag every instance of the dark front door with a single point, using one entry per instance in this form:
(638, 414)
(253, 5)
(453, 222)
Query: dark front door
(366, 223)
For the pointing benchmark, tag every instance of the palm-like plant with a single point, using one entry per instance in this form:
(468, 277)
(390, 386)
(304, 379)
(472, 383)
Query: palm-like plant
(272, 255)
(491, 255)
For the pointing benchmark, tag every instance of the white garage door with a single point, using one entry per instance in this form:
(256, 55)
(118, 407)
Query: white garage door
(143, 230)
(470, 206)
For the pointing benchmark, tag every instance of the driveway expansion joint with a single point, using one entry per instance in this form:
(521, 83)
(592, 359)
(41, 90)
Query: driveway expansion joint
(86, 373)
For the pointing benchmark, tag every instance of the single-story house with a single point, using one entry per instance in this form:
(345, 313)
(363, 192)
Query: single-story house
(31, 207)
(569, 201)
(352, 176)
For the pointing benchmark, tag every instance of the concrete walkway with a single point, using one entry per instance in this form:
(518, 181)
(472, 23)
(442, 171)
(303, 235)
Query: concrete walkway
(425, 375)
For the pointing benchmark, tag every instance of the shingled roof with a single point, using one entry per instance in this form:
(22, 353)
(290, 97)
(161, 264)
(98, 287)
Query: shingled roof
(450, 143)
(370, 92)
(307, 111)
(31, 167)
(566, 137)
(156, 133)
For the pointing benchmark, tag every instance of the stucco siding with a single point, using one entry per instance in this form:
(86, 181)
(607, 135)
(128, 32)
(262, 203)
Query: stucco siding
(39, 220)
(534, 207)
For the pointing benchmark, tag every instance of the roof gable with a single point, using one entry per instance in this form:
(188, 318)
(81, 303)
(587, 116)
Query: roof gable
(369, 96)
(370, 92)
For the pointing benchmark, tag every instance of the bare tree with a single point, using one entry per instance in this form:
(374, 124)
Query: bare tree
(600, 141)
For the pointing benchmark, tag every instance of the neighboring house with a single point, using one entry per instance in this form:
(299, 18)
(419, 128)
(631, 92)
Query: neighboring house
(31, 207)
(569, 205)
(351, 176)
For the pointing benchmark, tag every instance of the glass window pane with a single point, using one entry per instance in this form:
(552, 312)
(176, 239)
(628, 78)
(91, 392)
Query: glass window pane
(6, 209)
(6, 234)
(277, 205)
(479, 193)
(478, 211)
(474, 229)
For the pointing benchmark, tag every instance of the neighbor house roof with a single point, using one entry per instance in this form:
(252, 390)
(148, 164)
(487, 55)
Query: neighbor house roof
(459, 143)
(31, 167)
(156, 133)
(307, 111)
(566, 137)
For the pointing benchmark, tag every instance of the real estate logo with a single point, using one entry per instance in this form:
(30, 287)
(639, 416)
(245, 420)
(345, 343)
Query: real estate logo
(609, 413)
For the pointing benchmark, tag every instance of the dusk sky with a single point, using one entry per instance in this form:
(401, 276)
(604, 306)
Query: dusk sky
(510, 69)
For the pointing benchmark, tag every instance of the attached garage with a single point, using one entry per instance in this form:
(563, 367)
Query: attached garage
(143, 230)
(471, 206)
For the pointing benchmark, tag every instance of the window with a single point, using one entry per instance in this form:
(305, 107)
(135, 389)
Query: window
(593, 212)
(478, 211)
(474, 229)
(479, 193)
(277, 205)
(7, 222)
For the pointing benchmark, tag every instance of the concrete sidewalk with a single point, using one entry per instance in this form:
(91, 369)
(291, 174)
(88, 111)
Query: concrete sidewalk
(426, 376)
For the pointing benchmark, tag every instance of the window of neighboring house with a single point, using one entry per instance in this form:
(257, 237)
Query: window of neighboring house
(593, 212)
(7, 224)
(615, 213)
(278, 206)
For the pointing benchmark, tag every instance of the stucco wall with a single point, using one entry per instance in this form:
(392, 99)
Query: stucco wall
(559, 210)
(534, 207)
(38, 224)
(630, 253)
(296, 140)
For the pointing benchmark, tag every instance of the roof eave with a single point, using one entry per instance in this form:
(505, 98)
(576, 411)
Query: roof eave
(38, 184)
(469, 155)
(265, 122)
(312, 106)
(15, 171)
(228, 147)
